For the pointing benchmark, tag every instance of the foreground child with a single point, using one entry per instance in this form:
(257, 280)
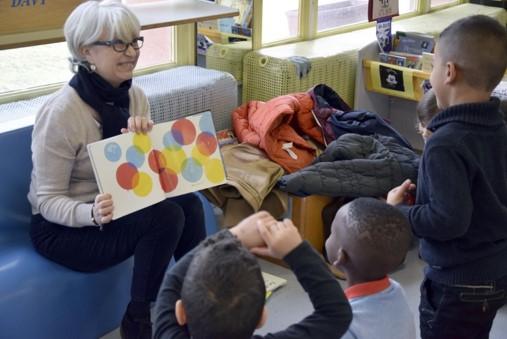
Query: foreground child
(369, 239)
(217, 290)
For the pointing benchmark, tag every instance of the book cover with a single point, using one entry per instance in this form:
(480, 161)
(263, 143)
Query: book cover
(411, 60)
(392, 59)
(272, 283)
(413, 43)
(175, 158)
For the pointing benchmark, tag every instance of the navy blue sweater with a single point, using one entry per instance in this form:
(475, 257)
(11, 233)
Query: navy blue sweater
(461, 206)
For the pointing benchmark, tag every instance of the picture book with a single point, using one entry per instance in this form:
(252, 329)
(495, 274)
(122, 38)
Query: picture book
(413, 43)
(392, 59)
(272, 283)
(411, 60)
(174, 158)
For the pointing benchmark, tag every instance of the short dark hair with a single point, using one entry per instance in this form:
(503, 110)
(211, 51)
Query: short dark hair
(223, 292)
(382, 235)
(427, 108)
(478, 46)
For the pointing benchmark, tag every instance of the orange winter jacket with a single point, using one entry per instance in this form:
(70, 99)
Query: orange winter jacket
(273, 126)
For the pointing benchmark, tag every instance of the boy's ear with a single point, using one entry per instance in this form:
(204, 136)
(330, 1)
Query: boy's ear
(264, 317)
(179, 312)
(342, 259)
(450, 72)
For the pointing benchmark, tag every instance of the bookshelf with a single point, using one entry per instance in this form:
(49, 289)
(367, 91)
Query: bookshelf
(417, 77)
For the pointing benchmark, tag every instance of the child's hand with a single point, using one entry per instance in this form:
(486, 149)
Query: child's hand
(402, 194)
(138, 124)
(280, 238)
(246, 231)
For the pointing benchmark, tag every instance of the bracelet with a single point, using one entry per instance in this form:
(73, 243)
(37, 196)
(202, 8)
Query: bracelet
(93, 216)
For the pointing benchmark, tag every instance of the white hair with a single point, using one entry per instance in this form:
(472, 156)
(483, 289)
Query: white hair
(93, 19)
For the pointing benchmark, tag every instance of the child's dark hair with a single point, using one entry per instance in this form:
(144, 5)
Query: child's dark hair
(478, 46)
(427, 108)
(223, 292)
(382, 236)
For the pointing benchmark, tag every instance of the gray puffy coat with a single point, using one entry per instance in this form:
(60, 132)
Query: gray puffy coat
(355, 166)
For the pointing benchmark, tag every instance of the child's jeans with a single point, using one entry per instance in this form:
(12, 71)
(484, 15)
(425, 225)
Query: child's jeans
(460, 311)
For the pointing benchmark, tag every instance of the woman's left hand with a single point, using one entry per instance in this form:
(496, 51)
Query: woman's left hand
(138, 124)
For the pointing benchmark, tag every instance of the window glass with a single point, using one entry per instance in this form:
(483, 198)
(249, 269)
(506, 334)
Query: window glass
(158, 43)
(28, 67)
(337, 13)
(280, 20)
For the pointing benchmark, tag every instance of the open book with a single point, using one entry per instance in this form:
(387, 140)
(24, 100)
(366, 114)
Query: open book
(175, 158)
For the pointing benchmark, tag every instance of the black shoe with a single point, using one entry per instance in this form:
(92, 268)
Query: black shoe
(135, 328)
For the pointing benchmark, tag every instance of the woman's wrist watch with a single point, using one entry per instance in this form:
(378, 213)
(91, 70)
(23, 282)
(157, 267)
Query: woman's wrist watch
(93, 216)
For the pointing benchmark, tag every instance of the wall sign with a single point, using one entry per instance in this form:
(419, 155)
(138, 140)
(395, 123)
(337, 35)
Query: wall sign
(381, 9)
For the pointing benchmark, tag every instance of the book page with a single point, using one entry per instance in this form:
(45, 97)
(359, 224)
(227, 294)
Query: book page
(121, 166)
(187, 155)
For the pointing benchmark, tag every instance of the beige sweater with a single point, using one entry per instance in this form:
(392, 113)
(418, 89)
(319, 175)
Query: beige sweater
(63, 185)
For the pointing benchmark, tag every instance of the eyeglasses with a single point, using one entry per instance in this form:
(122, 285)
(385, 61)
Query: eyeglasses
(121, 46)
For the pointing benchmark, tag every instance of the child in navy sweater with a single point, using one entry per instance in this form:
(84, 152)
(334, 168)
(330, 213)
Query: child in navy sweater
(460, 214)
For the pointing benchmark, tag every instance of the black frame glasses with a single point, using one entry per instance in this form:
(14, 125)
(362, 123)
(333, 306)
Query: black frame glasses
(121, 46)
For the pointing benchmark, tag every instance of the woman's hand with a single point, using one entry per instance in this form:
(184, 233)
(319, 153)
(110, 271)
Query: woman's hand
(103, 208)
(138, 124)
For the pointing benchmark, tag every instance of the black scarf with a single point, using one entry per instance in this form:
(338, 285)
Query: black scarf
(112, 104)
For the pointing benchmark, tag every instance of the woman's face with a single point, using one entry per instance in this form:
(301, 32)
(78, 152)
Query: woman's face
(115, 67)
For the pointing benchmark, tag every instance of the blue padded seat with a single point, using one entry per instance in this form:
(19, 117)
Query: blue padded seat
(41, 299)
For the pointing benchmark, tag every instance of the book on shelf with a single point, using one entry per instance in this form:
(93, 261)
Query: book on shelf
(411, 60)
(413, 43)
(389, 58)
(174, 158)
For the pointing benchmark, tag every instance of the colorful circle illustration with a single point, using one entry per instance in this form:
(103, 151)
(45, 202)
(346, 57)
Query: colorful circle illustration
(183, 131)
(135, 156)
(198, 156)
(156, 161)
(174, 159)
(206, 143)
(144, 186)
(127, 176)
(206, 123)
(214, 171)
(191, 170)
(142, 141)
(168, 180)
(112, 152)
(169, 141)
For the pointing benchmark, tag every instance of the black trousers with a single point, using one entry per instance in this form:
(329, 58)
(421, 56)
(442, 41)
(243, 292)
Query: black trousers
(153, 235)
(460, 311)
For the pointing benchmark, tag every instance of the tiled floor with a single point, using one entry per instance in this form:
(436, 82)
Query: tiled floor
(290, 303)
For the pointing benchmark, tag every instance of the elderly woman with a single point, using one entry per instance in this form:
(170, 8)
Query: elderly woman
(72, 222)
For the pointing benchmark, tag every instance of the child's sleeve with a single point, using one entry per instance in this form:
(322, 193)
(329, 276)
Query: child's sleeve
(332, 313)
(447, 212)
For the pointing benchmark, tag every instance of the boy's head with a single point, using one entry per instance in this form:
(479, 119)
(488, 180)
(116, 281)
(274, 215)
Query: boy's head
(426, 109)
(469, 60)
(223, 292)
(369, 239)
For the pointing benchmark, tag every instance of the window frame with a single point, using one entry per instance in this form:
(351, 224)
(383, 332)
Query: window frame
(308, 23)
